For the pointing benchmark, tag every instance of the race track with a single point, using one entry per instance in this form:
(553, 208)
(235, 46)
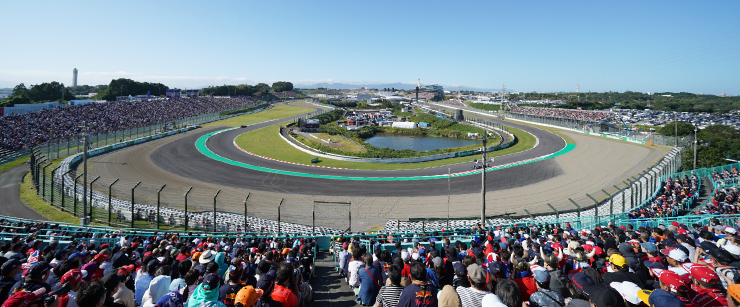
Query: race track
(594, 164)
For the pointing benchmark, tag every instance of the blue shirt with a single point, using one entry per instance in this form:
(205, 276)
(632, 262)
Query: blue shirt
(140, 286)
(369, 284)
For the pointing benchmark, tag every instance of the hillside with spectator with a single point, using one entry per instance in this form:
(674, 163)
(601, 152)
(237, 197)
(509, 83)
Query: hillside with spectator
(561, 113)
(25, 130)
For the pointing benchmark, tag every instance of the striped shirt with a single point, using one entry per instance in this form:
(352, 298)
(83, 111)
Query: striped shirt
(388, 296)
(471, 297)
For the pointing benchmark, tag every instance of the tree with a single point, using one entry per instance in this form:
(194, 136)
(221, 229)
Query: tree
(20, 90)
(282, 86)
(669, 129)
(706, 156)
(125, 87)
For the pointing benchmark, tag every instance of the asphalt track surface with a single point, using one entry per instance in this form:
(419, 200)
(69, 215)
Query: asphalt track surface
(10, 198)
(204, 169)
(594, 164)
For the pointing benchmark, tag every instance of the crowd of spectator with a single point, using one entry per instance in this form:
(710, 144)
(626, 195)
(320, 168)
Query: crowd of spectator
(164, 270)
(286, 94)
(672, 199)
(673, 265)
(584, 115)
(25, 130)
(454, 102)
(725, 201)
(726, 176)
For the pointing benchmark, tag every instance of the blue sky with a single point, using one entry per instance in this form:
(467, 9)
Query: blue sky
(645, 46)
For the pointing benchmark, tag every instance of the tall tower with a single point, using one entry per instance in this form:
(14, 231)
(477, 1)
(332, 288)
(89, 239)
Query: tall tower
(578, 88)
(74, 77)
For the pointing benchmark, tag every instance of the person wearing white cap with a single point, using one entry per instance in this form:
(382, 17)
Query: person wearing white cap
(628, 290)
(675, 257)
(207, 256)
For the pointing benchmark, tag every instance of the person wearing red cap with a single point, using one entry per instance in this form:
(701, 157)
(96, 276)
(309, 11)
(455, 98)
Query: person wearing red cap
(74, 278)
(707, 289)
(673, 283)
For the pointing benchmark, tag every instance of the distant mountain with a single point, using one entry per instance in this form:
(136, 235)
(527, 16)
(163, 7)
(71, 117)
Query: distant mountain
(397, 85)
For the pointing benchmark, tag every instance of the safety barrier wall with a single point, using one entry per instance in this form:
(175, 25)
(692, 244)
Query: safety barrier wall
(62, 190)
(637, 192)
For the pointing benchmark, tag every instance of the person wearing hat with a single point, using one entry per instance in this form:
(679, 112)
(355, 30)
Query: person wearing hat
(59, 256)
(675, 257)
(721, 260)
(171, 299)
(74, 278)
(343, 255)
(142, 282)
(620, 271)
(15, 252)
(472, 296)
(247, 297)
(124, 295)
(733, 294)
(707, 289)
(601, 295)
(673, 283)
(267, 285)
(159, 287)
(228, 292)
(10, 270)
(35, 277)
(544, 296)
(661, 298)
(206, 292)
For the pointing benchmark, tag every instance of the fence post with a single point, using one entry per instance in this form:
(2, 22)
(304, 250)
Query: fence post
(629, 185)
(577, 206)
(638, 183)
(91, 199)
(530, 214)
(313, 218)
(74, 213)
(133, 216)
(186, 207)
(53, 172)
(64, 194)
(43, 189)
(596, 205)
(281, 203)
(110, 200)
(214, 210)
(38, 174)
(635, 198)
(159, 203)
(611, 203)
(557, 214)
(246, 225)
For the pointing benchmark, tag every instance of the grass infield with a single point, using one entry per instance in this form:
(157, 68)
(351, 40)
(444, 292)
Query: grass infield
(278, 111)
(266, 142)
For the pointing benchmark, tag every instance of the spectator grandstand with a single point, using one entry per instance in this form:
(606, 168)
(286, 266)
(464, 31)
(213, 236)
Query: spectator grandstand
(561, 113)
(648, 253)
(26, 130)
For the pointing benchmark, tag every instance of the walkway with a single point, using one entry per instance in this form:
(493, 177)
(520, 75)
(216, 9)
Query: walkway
(10, 194)
(329, 288)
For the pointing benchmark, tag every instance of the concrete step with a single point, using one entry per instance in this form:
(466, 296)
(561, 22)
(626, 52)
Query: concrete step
(329, 288)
